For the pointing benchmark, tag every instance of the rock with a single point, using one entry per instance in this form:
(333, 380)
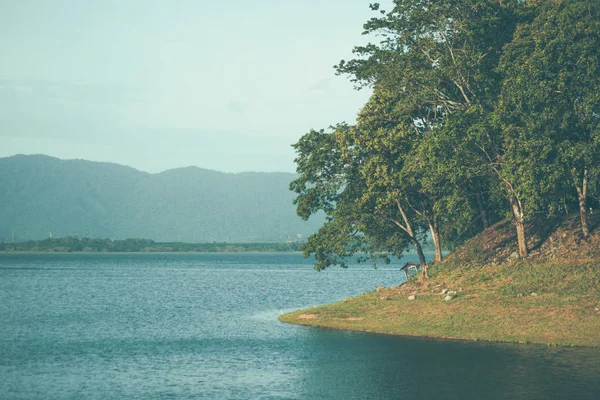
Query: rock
(380, 288)
(513, 256)
(384, 298)
(444, 291)
(412, 297)
(520, 295)
(596, 309)
(452, 293)
(534, 294)
(447, 298)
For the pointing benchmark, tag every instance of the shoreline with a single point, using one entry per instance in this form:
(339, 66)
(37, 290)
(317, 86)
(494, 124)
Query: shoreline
(483, 291)
(290, 318)
(370, 332)
(493, 311)
(434, 338)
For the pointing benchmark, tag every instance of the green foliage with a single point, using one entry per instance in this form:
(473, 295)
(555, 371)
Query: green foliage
(480, 109)
(396, 168)
(321, 172)
(548, 109)
(335, 177)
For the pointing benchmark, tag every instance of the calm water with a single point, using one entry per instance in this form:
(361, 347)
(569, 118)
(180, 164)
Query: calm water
(205, 326)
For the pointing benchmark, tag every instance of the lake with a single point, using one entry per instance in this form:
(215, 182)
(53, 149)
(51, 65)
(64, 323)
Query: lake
(188, 326)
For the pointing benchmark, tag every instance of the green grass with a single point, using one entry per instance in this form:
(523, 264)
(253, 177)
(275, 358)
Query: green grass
(494, 301)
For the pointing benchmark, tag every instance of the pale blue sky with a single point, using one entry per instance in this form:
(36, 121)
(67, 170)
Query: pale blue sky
(163, 84)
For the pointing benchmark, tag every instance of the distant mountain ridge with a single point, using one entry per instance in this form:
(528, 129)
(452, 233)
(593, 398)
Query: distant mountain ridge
(41, 194)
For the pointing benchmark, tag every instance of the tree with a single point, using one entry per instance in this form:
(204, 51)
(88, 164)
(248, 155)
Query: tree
(387, 137)
(342, 173)
(439, 57)
(384, 141)
(448, 49)
(550, 101)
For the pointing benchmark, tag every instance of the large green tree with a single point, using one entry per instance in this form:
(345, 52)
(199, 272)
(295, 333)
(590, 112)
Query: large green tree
(390, 176)
(470, 118)
(351, 180)
(438, 61)
(550, 102)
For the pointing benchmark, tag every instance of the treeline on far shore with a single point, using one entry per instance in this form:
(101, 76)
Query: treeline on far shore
(89, 245)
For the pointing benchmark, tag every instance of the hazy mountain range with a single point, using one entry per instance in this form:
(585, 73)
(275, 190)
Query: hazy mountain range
(40, 195)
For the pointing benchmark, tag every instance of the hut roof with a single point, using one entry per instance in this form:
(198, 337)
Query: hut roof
(409, 264)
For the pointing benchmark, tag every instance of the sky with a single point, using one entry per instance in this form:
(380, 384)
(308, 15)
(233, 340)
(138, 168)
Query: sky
(161, 84)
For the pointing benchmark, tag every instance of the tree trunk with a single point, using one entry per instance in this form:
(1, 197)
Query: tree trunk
(424, 268)
(582, 197)
(408, 229)
(521, 239)
(517, 210)
(482, 212)
(435, 235)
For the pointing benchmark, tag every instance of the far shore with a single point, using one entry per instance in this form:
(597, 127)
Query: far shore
(150, 252)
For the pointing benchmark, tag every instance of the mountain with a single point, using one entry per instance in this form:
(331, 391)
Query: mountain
(41, 194)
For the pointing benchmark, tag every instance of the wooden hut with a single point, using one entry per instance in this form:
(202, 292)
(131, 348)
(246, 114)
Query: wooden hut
(410, 269)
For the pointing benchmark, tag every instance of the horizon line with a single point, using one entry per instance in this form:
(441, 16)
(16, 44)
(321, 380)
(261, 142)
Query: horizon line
(141, 170)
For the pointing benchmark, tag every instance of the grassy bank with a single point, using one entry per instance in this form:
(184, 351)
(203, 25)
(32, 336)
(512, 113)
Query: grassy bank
(553, 297)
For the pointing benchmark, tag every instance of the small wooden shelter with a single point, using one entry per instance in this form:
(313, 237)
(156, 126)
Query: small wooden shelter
(410, 269)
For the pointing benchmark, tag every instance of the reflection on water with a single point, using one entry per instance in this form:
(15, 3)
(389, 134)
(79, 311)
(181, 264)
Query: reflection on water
(389, 367)
(205, 326)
